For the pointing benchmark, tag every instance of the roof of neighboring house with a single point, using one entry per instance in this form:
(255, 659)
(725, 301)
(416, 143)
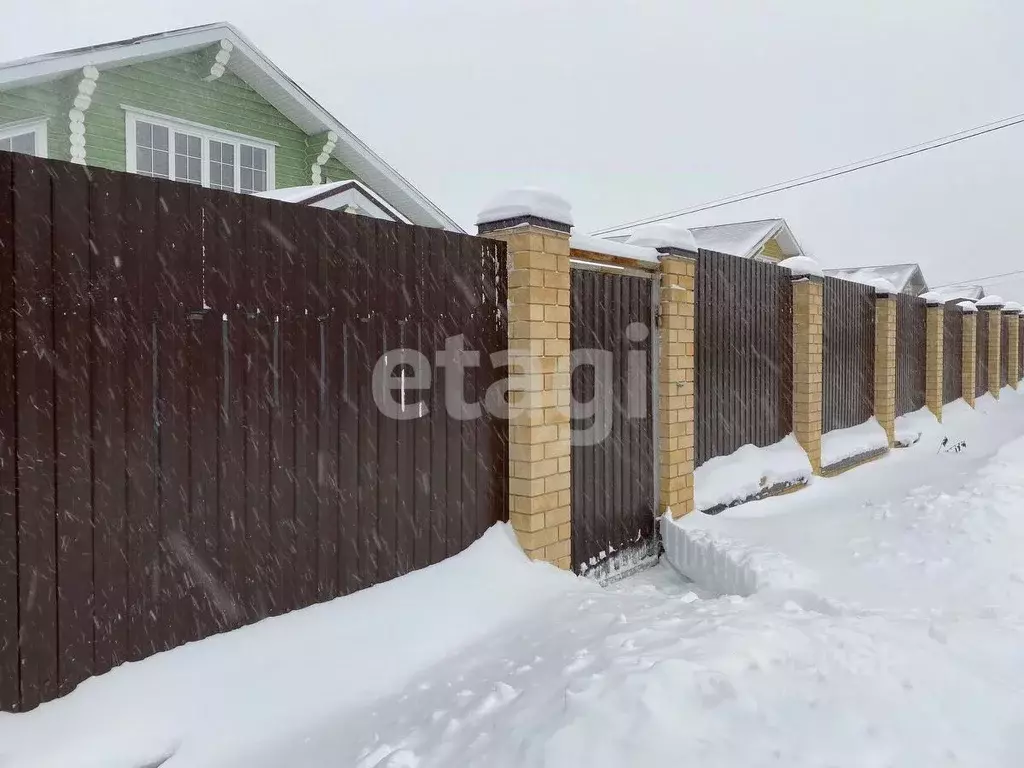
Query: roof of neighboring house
(899, 275)
(744, 238)
(964, 291)
(263, 76)
(350, 195)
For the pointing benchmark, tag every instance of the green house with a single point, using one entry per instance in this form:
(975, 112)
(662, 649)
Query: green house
(200, 105)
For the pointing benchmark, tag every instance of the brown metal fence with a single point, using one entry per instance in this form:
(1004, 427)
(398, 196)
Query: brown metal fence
(613, 492)
(188, 435)
(744, 354)
(952, 352)
(981, 356)
(848, 355)
(911, 353)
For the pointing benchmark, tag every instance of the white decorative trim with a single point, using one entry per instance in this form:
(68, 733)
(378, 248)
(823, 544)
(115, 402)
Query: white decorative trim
(324, 156)
(35, 125)
(76, 115)
(206, 133)
(220, 61)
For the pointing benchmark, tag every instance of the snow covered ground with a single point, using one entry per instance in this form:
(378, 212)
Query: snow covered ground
(881, 623)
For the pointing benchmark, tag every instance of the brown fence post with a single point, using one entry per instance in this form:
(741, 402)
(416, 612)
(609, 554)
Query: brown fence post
(676, 380)
(935, 330)
(807, 365)
(885, 363)
(536, 228)
(991, 311)
(970, 343)
(1012, 327)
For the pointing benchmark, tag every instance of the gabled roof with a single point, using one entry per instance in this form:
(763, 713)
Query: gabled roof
(744, 238)
(897, 274)
(350, 195)
(263, 76)
(963, 291)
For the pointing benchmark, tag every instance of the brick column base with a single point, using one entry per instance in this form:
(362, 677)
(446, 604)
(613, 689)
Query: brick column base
(970, 363)
(933, 382)
(994, 318)
(885, 364)
(539, 389)
(807, 366)
(676, 383)
(1011, 327)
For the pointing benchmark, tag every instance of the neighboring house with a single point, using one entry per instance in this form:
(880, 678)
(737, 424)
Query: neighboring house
(200, 105)
(906, 278)
(766, 240)
(961, 292)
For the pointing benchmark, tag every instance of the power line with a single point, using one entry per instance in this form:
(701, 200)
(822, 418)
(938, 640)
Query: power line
(979, 279)
(831, 173)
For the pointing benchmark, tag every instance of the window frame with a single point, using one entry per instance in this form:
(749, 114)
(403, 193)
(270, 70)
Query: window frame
(206, 134)
(35, 125)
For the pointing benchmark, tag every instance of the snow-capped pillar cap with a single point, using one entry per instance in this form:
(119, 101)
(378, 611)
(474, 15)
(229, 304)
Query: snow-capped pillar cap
(967, 307)
(991, 302)
(803, 268)
(883, 288)
(666, 238)
(526, 206)
(932, 299)
(1012, 308)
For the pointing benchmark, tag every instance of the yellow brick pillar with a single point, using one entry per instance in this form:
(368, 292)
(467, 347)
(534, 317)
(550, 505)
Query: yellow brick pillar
(1011, 326)
(990, 311)
(885, 363)
(807, 362)
(536, 227)
(676, 380)
(970, 343)
(935, 333)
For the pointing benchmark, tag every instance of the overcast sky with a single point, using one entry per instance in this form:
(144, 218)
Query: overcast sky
(631, 109)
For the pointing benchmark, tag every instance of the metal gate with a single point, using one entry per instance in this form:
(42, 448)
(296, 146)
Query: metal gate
(613, 489)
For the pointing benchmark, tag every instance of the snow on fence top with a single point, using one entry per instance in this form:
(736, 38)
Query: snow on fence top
(612, 248)
(527, 201)
(664, 234)
(989, 302)
(932, 298)
(802, 265)
(968, 307)
(1012, 306)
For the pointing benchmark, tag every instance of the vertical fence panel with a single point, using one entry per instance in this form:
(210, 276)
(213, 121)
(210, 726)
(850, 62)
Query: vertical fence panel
(911, 353)
(848, 339)
(952, 352)
(744, 348)
(612, 484)
(10, 693)
(187, 413)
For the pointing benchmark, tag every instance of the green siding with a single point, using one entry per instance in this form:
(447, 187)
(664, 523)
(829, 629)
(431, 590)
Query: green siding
(174, 87)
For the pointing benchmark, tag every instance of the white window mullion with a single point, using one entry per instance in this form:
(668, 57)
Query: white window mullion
(238, 166)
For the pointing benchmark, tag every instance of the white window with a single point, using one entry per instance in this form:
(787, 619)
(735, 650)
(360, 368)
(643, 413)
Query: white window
(28, 138)
(177, 149)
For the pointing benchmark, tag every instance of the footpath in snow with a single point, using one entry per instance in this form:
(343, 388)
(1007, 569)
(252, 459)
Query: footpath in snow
(876, 619)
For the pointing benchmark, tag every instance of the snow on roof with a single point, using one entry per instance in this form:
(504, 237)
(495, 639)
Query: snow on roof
(299, 194)
(612, 248)
(1013, 306)
(526, 201)
(990, 301)
(962, 291)
(664, 234)
(738, 239)
(967, 306)
(932, 297)
(802, 265)
(898, 275)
